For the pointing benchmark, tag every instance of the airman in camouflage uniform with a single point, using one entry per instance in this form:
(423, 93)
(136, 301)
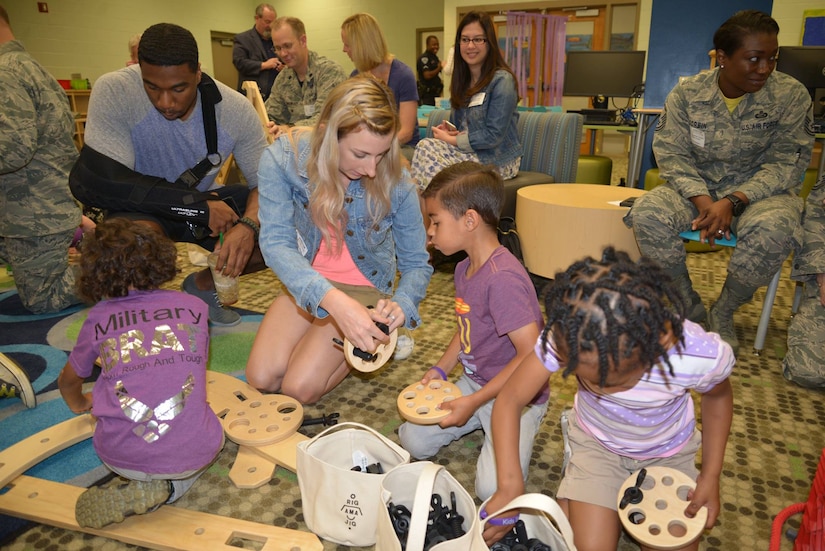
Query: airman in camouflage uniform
(740, 130)
(38, 216)
(302, 87)
(804, 363)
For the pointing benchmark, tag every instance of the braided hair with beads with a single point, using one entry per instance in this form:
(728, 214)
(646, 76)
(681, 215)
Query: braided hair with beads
(615, 307)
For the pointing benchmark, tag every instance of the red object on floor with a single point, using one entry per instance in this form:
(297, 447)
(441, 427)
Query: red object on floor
(811, 535)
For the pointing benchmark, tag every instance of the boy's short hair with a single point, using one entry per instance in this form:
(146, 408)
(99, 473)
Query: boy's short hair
(469, 185)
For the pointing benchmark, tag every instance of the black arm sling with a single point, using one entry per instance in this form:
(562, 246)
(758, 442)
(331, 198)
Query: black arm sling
(99, 181)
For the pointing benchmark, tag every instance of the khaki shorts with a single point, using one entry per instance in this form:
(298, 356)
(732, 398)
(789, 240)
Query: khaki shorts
(595, 474)
(366, 296)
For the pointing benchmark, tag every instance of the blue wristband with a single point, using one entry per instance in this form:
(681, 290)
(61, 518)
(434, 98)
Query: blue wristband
(440, 372)
(499, 521)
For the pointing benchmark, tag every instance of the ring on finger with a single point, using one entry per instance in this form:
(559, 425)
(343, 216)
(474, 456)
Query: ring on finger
(392, 317)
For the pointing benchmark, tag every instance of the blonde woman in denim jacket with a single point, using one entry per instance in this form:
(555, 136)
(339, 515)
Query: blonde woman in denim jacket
(338, 216)
(484, 116)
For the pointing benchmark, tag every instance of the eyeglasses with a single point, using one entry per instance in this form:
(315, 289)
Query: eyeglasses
(478, 40)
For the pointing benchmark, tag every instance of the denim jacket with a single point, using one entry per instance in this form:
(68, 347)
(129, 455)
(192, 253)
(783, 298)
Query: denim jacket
(289, 239)
(491, 127)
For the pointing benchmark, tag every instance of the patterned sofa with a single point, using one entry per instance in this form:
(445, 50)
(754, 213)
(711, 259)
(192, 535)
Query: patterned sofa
(551, 144)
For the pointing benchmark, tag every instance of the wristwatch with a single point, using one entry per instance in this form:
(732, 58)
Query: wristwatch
(739, 205)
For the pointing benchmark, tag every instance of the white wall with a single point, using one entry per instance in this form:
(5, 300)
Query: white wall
(90, 37)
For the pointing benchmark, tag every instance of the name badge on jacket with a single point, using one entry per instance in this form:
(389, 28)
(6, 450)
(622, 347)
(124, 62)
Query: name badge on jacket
(309, 110)
(477, 99)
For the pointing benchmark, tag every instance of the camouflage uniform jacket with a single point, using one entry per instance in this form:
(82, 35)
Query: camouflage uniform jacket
(36, 149)
(811, 260)
(290, 102)
(761, 149)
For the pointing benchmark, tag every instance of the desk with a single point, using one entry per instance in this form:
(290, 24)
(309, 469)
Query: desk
(559, 224)
(645, 118)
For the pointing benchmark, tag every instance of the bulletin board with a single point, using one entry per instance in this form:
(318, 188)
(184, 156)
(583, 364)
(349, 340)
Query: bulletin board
(813, 28)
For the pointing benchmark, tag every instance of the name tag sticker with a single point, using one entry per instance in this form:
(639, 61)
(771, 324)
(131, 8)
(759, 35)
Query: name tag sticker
(302, 247)
(697, 137)
(309, 110)
(477, 99)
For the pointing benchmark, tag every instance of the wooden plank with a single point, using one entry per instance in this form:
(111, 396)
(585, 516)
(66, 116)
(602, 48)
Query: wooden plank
(284, 453)
(254, 95)
(20, 457)
(168, 528)
(250, 470)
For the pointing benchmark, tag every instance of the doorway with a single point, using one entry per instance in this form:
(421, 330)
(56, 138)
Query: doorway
(225, 71)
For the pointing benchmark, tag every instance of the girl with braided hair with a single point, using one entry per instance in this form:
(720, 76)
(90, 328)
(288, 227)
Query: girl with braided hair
(619, 327)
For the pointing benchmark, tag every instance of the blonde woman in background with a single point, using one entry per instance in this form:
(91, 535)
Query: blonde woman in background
(366, 46)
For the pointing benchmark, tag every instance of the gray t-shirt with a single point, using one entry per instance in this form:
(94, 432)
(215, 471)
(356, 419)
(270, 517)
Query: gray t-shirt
(124, 125)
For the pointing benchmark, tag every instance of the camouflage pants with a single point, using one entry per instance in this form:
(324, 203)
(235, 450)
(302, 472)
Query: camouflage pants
(45, 281)
(766, 233)
(804, 363)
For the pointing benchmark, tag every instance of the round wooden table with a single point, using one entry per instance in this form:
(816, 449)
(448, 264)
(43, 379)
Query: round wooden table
(561, 223)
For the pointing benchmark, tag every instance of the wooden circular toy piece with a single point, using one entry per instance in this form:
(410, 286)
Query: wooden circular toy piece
(658, 520)
(250, 417)
(381, 355)
(418, 403)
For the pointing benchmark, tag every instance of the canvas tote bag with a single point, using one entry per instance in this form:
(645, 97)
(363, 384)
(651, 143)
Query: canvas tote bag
(543, 519)
(413, 486)
(339, 504)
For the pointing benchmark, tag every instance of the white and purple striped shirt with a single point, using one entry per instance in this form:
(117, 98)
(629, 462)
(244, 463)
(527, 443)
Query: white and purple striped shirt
(656, 417)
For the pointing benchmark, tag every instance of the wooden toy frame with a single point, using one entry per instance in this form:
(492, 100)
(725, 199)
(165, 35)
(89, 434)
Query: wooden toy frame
(168, 528)
(664, 524)
(418, 403)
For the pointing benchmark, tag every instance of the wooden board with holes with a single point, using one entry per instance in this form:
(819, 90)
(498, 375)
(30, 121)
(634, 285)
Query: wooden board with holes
(228, 396)
(658, 521)
(168, 528)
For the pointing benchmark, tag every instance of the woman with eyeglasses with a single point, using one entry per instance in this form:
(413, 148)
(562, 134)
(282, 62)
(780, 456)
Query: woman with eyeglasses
(483, 96)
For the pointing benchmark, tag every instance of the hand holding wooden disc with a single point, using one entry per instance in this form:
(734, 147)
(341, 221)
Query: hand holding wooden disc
(419, 403)
(658, 520)
(366, 362)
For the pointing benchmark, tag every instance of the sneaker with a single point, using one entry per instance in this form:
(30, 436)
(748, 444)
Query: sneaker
(403, 347)
(218, 313)
(15, 382)
(102, 505)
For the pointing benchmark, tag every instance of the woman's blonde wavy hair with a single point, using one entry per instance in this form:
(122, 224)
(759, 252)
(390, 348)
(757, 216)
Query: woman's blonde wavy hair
(361, 103)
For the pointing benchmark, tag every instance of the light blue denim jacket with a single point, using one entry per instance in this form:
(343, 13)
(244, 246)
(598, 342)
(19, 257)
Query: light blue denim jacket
(491, 128)
(289, 239)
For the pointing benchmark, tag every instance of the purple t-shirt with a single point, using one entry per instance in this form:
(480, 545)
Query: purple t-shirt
(404, 88)
(655, 418)
(497, 299)
(150, 397)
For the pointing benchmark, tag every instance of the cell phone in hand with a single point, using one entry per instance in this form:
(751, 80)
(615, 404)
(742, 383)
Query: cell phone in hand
(450, 125)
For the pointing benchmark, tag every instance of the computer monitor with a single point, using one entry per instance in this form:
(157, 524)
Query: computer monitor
(606, 73)
(807, 65)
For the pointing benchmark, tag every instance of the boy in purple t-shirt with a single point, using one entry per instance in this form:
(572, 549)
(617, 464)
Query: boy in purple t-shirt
(498, 316)
(154, 425)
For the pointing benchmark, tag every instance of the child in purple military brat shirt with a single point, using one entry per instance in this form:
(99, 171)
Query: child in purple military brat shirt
(154, 425)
